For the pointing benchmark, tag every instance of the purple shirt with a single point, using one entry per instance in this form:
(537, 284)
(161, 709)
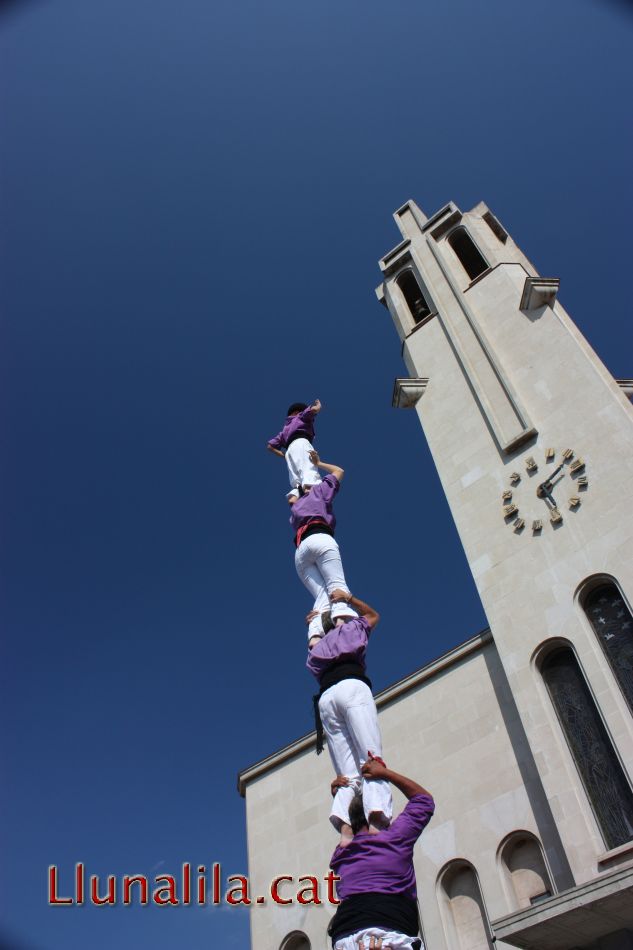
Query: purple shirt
(383, 863)
(347, 642)
(299, 426)
(316, 504)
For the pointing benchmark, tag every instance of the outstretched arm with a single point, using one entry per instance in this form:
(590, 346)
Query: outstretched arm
(335, 470)
(342, 596)
(312, 410)
(409, 788)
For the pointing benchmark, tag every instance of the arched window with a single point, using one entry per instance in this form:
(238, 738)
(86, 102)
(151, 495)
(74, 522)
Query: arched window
(525, 869)
(296, 940)
(412, 292)
(464, 909)
(468, 253)
(605, 783)
(612, 622)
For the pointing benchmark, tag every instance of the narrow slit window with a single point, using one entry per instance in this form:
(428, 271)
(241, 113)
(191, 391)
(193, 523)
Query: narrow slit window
(412, 292)
(602, 775)
(468, 253)
(539, 898)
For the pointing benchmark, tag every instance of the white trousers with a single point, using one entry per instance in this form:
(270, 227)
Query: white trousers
(319, 566)
(301, 471)
(362, 940)
(350, 723)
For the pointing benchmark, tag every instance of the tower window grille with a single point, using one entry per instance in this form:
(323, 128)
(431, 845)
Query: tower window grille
(612, 623)
(604, 780)
(470, 257)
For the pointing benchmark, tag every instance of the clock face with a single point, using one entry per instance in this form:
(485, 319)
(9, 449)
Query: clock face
(539, 491)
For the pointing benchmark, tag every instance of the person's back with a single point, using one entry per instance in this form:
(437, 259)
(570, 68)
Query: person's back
(383, 862)
(348, 641)
(316, 505)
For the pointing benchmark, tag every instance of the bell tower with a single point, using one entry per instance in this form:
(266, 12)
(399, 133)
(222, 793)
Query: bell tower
(533, 442)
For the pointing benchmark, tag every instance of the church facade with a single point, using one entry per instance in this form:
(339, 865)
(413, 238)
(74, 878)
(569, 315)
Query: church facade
(532, 841)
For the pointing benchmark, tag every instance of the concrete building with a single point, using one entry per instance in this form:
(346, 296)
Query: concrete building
(533, 442)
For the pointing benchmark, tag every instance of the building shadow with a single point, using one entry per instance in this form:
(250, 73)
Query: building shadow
(548, 832)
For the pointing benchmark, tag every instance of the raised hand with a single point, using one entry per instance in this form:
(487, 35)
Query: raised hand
(341, 781)
(340, 596)
(374, 768)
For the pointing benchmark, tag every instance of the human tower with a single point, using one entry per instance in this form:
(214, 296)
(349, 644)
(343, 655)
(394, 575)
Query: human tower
(374, 857)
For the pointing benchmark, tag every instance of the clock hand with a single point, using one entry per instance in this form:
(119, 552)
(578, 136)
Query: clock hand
(556, 471)
(545, 487)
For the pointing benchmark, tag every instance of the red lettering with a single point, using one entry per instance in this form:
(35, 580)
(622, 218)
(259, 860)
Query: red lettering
(202, 884)
(331, 878)
(79, 883)
(216, 884)
(313, 889)
(243, 897)
(186, 883)
(274, 889)
(52, 888)
(110, 897)
(127, 887)
(170, 887)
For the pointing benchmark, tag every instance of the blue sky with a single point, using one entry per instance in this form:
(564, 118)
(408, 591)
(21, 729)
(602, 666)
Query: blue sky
(194, 198)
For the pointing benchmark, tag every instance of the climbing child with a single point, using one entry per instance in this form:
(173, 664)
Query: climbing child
(294, 443)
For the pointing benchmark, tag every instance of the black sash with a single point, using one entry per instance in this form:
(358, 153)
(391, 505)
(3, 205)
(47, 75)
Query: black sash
(359, 911)
(297, 435)
(318, 527)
